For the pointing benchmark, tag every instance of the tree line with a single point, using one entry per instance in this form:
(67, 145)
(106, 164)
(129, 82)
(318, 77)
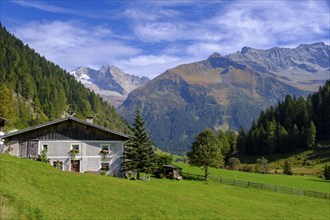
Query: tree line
(292, 124)
(34, 90)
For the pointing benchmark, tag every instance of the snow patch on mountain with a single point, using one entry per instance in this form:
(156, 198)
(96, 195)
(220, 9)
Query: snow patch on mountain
(111, 83)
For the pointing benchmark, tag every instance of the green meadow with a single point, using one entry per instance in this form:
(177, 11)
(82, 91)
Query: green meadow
(300, 182)
(34, 190)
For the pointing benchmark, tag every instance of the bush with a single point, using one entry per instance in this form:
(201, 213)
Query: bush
(287, 169)
(248, 168)
(326, 172)
(161, 160)
(262, 165)
(233, 164)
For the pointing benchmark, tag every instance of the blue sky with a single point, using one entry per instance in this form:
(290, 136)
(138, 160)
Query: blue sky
(147, 37)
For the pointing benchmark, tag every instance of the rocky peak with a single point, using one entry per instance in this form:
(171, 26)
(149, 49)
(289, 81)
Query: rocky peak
(109, 81)
(215, 55)
(245, 50)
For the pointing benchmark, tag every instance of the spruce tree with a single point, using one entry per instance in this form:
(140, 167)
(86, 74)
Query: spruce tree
(311, 135)
(139, 152)
(241, 140)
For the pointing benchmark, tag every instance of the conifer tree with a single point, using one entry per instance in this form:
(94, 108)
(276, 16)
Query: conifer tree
(139, 152)
(241, 140)
(311, 135)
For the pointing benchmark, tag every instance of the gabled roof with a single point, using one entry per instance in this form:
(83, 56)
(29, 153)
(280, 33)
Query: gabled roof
(171, 166)
(62, 120)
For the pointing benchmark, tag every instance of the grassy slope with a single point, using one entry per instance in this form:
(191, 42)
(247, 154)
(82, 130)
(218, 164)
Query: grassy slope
(30, 189)
(299, 182)
(303, 161)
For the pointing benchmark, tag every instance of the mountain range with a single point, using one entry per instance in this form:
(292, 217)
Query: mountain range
(224, 92)
(111, 83)
(305, 67)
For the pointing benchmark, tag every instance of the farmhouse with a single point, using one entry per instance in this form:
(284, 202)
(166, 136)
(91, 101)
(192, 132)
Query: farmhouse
(71, 144)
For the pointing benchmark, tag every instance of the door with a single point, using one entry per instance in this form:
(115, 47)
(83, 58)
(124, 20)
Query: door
(32, 149)
(28, 149)
(75, 166)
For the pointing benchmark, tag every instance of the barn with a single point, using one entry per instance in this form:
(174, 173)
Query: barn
(70, 144)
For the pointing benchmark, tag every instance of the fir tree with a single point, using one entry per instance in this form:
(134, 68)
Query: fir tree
(241, 140)
(139, 152)
(311, 135)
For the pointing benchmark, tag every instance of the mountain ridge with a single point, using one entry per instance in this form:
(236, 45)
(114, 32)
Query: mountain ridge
(219, 92)
(111, 83)
(306, 67)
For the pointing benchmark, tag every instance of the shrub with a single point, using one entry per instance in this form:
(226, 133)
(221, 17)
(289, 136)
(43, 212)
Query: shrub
(262, 165)
(287, 169)
(161, 160)
(326, 172)
(248, 168)
(43, 156)
(234, 163)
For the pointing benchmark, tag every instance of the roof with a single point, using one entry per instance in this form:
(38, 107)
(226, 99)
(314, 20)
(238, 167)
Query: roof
(62, 120)
(171, 166)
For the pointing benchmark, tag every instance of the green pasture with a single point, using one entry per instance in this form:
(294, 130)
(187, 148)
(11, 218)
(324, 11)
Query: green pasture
(34, 190)
(300, 182)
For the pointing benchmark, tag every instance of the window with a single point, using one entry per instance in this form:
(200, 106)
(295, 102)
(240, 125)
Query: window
(45, 147)
(104, 166)
(58, 164)
(75, 147)
(105, 148)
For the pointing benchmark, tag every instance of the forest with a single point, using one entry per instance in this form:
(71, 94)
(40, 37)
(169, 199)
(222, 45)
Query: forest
(292, 124)
(34, 90)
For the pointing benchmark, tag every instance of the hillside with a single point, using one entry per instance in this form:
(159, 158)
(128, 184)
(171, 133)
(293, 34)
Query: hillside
(217, 93)
(111, 83)
(290, 125)
(34, 190)
(34, 90)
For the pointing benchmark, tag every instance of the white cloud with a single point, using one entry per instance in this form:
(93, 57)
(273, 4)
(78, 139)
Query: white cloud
(42, 6)
(151, 65)
(156, 32)
(71, 44)
(260, 24)
(165, 34)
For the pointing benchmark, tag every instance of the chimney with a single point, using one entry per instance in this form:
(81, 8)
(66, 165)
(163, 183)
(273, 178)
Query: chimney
(89, 119)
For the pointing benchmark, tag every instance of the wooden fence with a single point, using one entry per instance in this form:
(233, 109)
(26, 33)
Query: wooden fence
(274, 188)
